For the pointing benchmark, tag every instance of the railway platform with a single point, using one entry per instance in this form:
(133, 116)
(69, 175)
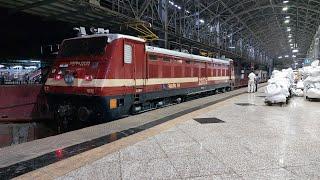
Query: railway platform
(234, 138)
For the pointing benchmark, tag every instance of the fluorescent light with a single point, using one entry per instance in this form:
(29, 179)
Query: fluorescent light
(35, 61)
(295, 50)
(287, 21)
(280, 57)
(285, 2)
(291, 44)
(285, 8)
(286, 56)
(187, 11)
(290, 40)
(289, 36)
(201, 20)
(294, 56)
(232, 47)
(291, 47)
(287, 17)
(179, 7)
(289, 30)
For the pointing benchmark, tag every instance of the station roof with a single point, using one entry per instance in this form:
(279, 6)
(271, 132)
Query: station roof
(267, 26)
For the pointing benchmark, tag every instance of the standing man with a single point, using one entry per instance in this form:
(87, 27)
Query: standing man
(257, 81)
(251, 82)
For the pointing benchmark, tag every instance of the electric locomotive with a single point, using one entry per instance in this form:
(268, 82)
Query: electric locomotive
(106, 76)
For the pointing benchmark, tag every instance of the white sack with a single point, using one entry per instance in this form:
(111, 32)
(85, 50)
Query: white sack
(280, 98)
(313, 93)
(297, 92)
(300, 85)
(315, 63)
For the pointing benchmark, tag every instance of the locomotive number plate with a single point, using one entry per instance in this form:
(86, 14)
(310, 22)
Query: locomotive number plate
(203, 81)
(173, 85)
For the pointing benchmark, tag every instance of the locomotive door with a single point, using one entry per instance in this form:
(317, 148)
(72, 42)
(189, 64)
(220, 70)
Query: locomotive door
(138, 69)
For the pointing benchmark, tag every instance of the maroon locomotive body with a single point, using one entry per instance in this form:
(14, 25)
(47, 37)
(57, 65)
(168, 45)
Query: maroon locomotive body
(106, 76)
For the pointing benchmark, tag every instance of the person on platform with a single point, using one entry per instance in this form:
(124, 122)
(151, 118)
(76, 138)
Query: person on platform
(251, 83)
(256, 81)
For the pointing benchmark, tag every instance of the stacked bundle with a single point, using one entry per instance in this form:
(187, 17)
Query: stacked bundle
(279, 86)
(312, 81)
(298, 90)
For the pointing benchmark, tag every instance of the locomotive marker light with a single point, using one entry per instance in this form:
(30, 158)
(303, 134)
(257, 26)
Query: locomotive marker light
(88, 77)
(113, 103)
(58, 77)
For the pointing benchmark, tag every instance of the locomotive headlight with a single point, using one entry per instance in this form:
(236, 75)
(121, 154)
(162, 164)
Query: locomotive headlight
(69, 78)
(88, 77)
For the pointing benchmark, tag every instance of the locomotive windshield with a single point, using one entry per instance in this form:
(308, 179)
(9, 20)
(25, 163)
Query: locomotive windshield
(83, 47)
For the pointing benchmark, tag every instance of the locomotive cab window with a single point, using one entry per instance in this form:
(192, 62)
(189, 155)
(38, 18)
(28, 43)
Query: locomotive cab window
(83, 47)
(127, 54)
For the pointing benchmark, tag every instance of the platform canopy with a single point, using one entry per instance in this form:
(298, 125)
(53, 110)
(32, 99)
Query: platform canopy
(260, 30)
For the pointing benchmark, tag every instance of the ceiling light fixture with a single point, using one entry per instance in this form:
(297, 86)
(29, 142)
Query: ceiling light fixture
(295, 50)
(286, 56)
(287, 17)
(285, 2)
(287, 21)
(280, 57)
(285, 8)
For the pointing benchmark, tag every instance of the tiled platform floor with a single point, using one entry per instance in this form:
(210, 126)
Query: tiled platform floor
(254, 142)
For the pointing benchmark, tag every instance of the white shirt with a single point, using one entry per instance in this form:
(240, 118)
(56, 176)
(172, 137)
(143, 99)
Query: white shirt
(252, 76)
